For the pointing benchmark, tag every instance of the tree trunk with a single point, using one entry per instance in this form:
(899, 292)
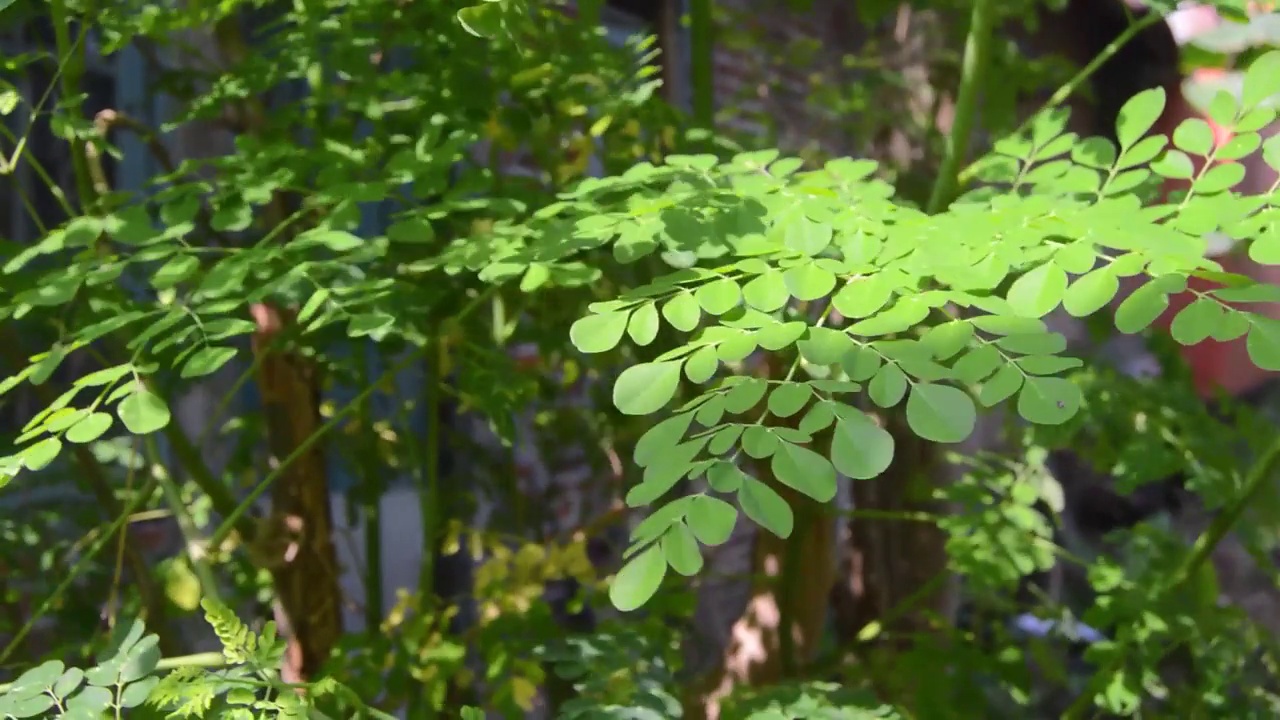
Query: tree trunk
(893, 576)
(303, 563)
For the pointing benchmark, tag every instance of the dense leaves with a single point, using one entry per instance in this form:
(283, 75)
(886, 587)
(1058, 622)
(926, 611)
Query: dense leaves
(917, 316)
(773, 316)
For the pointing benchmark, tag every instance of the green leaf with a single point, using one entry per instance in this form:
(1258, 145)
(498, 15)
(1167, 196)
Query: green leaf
(1263, 343)
(765, 507)
(1001, 386)
(819, 417)
(598, 333)
(206, 361)
(1142, 153)
(1196, 322)
(888, 386)
(681, 550)
(1174, 164)
(45, 367)
(90, 702)
(805, 470)
(660, 438)
(863, 297)
(44, 675)
(725, 439)
(69, 682)
(89, 429)
(664, 472)
(137, 693)
(1261, 80)
(1220, 177)
(710, 412)
(725, 477)
(63, 418)
(143, 412)
(746, 394)
(809, 281)
(824, 346)
(638, 579)
(369, 324)
(1048, 400)
(860, 449)
(806, 236)
(1234, 325)
(1033, 343)
(681, 311)
(313, 305)
(1091, 292)
(702, 364)
(1047, 364)
(177, 269)
(940, 413)
(138, 660)
(1008, 324)
(719, 296)
(537, 275)
(652, 527)
(947, 339)
(777, 336)
(789, 398)
(645, 388)
(335, 240)
(643, 326)
(1036, 293)
(1194, 136)
(38, 455)
(903, 316)
(712, 519)
(1095, 152)
(736, 347)
(977, 364)
(105, 376)
(483, 21)
(1138, 115)
(767, 292)
(861, 364)
(1141, 308)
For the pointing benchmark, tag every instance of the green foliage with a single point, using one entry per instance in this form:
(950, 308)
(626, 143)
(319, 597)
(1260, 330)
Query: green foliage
(945, 311)
(123, 680)
(675, 275)
(817, 700)
(129, 678)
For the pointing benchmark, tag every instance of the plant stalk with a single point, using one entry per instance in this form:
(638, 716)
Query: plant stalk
(702, 62)
(72, 73)
(1063, 93)
(371, 492)
(977, 52)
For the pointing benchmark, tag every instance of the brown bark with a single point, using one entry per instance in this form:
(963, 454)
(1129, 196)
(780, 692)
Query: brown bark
(792, 581)
(890, 561)
(782, 625)
(893, 580)
(303, 565)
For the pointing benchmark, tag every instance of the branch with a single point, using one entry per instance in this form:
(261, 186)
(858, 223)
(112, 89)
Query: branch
(977, 51)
